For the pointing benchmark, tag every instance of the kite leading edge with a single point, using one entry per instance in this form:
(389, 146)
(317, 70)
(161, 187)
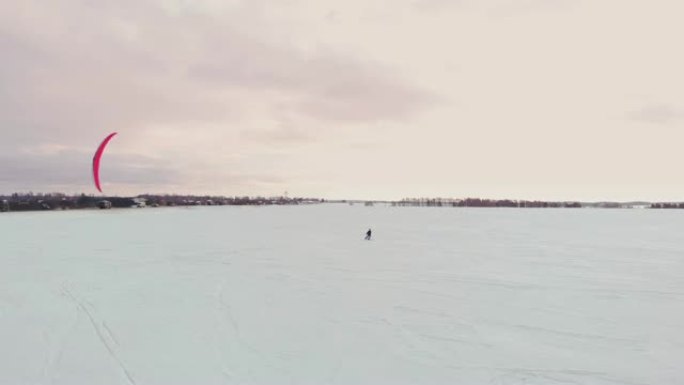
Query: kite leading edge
(96, 160)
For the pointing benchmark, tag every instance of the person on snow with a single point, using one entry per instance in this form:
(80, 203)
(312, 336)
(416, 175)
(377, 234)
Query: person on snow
(368, 235)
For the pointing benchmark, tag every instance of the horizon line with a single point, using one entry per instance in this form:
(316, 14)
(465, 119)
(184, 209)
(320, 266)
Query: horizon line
(104, 195)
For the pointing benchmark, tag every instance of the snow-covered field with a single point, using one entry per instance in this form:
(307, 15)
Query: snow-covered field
(293, 295)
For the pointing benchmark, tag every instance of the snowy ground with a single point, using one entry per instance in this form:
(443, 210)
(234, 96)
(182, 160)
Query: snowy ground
(277, 295)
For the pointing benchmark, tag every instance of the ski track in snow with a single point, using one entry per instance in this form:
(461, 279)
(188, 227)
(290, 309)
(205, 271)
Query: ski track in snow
(560, 376)
(234, 337)
(57, 343)
(223, 312)
(563, 333)
(103, 334)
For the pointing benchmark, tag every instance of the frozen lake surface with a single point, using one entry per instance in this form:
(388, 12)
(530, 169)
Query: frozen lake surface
(293, 295)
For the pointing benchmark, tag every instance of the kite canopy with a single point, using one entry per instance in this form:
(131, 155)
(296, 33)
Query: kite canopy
(96, 160)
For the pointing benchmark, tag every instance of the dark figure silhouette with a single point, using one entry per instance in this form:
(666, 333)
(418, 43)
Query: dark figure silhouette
(368, 235)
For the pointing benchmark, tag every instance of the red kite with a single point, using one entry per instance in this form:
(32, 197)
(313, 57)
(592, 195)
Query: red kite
(96, 160)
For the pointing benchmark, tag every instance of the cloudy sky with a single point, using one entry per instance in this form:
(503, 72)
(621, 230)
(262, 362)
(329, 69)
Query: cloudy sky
(381, 99)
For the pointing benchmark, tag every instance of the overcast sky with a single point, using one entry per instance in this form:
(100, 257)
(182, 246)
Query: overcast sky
(534, 99)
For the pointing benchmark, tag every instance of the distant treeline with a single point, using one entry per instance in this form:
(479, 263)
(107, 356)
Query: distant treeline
(60, 201)
(191, 200)
(667, 205)
(477, 202)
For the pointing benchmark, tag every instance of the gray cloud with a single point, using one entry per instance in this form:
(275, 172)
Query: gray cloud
(119, 69)
(495, 7)
(512, 7)
(74, 71)
(286, 132)
(324, 85)
(437, 5)
(657, 113)
(70, 170)
(69, 167)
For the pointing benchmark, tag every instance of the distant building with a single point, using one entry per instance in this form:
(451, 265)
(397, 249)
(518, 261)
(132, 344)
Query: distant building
(139, 202)
(4, 206)
(104, 204)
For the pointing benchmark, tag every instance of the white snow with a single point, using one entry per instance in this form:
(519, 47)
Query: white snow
(277, 295)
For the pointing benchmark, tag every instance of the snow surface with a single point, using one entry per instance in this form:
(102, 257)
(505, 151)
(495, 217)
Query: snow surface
(278, 295)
